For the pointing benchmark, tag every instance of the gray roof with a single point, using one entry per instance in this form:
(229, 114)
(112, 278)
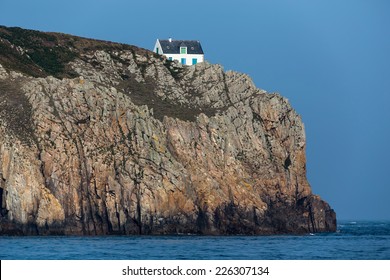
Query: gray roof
(173, 46)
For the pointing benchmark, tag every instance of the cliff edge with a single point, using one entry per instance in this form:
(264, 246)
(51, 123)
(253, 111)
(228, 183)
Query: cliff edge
(104, 138)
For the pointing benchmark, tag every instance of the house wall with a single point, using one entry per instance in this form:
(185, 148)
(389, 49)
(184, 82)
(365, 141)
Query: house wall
(157, 45)
(178, 57)
(188, 57)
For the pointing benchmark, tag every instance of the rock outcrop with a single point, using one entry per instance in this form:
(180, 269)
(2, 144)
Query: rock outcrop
(103, 138)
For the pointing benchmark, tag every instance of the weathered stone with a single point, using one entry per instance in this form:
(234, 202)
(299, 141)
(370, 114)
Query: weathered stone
(135, 144)
(3, 73)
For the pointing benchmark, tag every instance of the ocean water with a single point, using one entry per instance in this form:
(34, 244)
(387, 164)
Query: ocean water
(353, 241)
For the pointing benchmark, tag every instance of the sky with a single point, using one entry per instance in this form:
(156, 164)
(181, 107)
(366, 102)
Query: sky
(330, 58)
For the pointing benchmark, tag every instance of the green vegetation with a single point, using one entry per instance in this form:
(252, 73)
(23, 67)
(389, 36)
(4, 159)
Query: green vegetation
(40, 54)
(34, 53)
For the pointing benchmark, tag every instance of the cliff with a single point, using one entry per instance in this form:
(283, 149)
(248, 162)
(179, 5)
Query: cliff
(104, 138)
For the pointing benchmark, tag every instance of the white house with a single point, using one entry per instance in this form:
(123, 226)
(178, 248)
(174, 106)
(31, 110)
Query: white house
(187, 52)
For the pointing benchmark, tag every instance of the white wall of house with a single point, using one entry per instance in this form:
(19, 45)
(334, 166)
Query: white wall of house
(157, 45)
(188, 57)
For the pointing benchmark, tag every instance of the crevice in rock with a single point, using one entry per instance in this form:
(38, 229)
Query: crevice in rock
(287, 162)
(138, 191)
(202, 221)
(2, 201)
(312, 220)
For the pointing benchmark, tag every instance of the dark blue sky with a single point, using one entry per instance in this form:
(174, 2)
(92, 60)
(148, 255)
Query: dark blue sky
(330, 58)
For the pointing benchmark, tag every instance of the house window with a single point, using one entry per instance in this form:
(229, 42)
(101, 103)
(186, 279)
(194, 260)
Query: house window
(194, 61)
(183, 50)
(170, 58)
(157, 50)
(183, 61)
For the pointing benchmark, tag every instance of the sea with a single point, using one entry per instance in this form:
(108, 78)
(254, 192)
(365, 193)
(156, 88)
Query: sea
(354, 240)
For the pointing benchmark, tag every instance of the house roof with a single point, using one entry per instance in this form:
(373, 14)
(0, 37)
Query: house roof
(173, 46)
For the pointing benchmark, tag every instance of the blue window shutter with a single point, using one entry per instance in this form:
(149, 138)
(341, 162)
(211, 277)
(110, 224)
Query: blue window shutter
(183, 61)
(194, 61)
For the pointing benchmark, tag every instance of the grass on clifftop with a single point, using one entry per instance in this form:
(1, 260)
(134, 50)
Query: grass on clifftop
(34, 53)
(40, 54)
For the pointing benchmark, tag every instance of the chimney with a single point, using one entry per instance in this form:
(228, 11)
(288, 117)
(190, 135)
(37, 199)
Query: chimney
(170, 40)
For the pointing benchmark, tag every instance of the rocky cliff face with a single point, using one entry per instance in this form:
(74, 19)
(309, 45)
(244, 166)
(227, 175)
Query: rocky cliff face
(103, 138)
